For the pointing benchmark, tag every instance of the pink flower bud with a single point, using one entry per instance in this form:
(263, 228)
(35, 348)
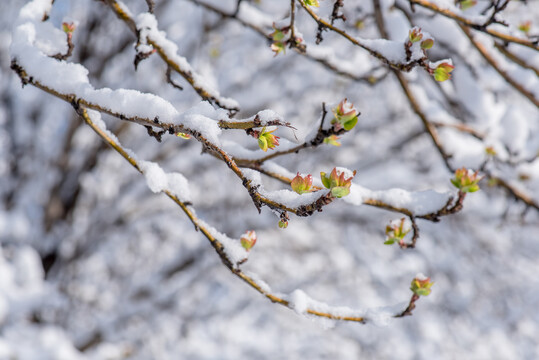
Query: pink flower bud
(466, 182)
(415, 34)
(266, 140)
(279, 39)
(345, 115)
(466, 4)
(421, 286)
(396, 232)
(301, 184)
(443, 72)
(68, 27)
(337, 183)
(248, 240)
(332, 140)
(525, 27)
(312, 3)
(183, 135)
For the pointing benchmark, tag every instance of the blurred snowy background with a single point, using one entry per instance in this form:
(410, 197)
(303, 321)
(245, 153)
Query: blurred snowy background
(93, 265)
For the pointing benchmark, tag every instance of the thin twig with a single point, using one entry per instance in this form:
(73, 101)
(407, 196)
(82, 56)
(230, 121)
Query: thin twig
(461, 127)
(70, 48)
(170, 81)
(415, 235)
(258, 199)
(503, 49)
(410, 308)
(394, 65)
(369, 79)
(187, 75)
(202, 227)
(464, 21)
(519, 195)
(486, 55)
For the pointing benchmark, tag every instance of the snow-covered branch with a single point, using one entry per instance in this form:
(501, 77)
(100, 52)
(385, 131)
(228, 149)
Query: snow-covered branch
(350, 125)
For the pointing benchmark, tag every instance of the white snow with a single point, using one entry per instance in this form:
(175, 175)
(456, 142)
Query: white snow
(273, 167)
(252, 15)
(179, 186)
(391, 50)
(119, 241)
(202, 118)
(158, 180)
(35, 10)
(421, 276)
(147, 26)
(240, 152)
(232, 247)
(418, 203)
(287, 197)
(69, 78)
(299, 301)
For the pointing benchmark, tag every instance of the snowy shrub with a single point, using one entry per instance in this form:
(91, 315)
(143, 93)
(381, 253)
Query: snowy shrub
(336, 119)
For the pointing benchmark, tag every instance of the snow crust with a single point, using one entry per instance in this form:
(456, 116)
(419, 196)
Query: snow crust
(147, 26)
(391, 50)
(72, 79)
(34, 10)
(232, 247)
(419, 202)
(300, 302)
(69, 78)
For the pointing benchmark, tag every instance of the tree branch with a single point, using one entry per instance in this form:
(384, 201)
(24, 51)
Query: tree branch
(183, 68)
(488, 57)
(480, 27)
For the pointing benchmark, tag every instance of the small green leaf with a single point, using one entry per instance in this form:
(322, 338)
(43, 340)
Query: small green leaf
(263, 143)
(248, 240)
(441, 75)
(302, 184)
(345, 115)
(421, 287)
(325, 180)
(471, 188)
(332, 140)
(443, 72)
(466, 4)
(340, 191)
(183, 135)
(427, 44)
(278, 35)
(312, 3)
(525, 27)
(68, 27)
(415, 35)
(349, 125)
(422, 292)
